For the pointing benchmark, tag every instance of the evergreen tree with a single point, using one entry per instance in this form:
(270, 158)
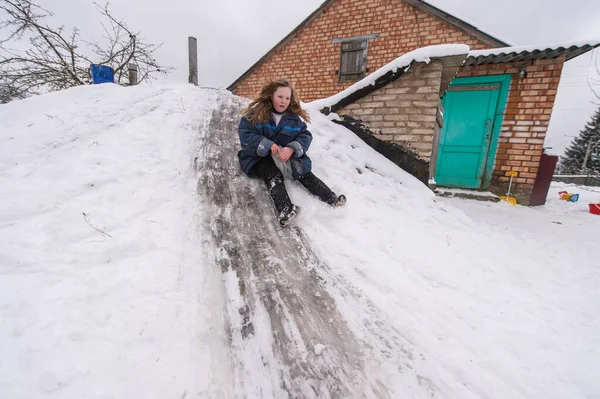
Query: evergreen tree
(588, 142)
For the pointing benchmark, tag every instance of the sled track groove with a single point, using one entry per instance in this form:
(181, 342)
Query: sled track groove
(279, 312)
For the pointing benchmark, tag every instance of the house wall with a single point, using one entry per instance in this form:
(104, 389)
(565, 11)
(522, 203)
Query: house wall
(404, 111)
(310, 60)
(526, 120)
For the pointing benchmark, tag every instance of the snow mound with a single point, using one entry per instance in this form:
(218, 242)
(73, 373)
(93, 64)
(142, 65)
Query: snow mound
(105, 289)
(101, 290)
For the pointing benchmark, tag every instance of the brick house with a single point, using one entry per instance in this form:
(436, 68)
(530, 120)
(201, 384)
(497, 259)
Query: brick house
(496, 100)
(311, 54)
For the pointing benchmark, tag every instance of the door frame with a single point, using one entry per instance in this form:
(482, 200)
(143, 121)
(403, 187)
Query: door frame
(504, 82)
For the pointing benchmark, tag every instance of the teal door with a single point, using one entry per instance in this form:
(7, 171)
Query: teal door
(473, 110)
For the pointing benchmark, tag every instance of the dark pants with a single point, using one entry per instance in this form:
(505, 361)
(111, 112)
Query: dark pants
(266, 169)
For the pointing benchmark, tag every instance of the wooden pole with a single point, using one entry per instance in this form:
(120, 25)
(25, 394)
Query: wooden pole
(133, 74)
(193, 59)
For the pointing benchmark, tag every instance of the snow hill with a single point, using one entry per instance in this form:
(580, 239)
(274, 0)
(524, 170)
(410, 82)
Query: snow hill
(136, 261)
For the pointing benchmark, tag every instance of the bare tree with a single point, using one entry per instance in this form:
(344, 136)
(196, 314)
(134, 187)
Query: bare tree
(56, 59)
(124, 47)
(8, 91)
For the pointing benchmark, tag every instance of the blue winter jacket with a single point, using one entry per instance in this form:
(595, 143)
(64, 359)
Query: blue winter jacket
(256, 141)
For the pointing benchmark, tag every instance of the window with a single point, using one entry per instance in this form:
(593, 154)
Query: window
(353, 57)
(353, 61)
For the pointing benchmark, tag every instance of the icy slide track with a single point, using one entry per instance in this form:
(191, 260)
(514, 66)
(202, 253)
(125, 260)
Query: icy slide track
(287, 337)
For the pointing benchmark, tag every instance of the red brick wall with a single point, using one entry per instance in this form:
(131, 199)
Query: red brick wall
(404, 112)
(526, 120)
(310, 59)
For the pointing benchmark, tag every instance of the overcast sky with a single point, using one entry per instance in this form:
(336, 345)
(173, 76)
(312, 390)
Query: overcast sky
(233, 34)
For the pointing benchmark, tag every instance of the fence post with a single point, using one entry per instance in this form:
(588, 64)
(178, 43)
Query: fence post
(193, 60)
(133, 74)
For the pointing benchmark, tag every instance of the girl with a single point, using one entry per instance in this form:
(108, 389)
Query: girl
(271, 132)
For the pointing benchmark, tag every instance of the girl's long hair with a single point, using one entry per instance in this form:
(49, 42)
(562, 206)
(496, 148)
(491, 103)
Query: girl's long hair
(260, 109)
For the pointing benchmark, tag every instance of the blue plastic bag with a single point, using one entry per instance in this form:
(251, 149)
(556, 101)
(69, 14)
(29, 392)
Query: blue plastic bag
(102, 74)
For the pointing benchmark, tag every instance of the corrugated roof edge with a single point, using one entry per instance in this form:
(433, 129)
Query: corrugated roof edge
(530, 48)
(530, 52)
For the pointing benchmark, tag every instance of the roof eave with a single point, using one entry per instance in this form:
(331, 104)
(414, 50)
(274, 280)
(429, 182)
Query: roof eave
(569, 53)
(459, 23)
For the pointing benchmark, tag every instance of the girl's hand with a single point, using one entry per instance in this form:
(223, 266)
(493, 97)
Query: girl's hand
(285, 154)
(274, 149)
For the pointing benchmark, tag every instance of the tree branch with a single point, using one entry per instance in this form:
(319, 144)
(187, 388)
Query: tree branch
(55, 60)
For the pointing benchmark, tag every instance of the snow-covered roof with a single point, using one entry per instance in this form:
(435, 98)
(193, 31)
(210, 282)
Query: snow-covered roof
(530, 52)
(397, 66)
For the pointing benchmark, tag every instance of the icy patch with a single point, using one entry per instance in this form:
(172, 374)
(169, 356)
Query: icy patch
(465, 191)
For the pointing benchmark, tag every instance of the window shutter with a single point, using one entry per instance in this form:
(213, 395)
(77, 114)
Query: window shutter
(353, 61)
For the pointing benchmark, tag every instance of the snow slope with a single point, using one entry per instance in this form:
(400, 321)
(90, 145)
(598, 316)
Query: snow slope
(502, 302)
(450, 298)
(102, 293)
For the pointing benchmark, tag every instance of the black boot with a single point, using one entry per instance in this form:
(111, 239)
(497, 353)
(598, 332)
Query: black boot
(279, 194)
(341, 201)
(287, 210)
(266, 169)
(286, 218)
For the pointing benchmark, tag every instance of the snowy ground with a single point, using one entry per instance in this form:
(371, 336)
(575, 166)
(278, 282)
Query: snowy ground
(113, 303)
(107, 288)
